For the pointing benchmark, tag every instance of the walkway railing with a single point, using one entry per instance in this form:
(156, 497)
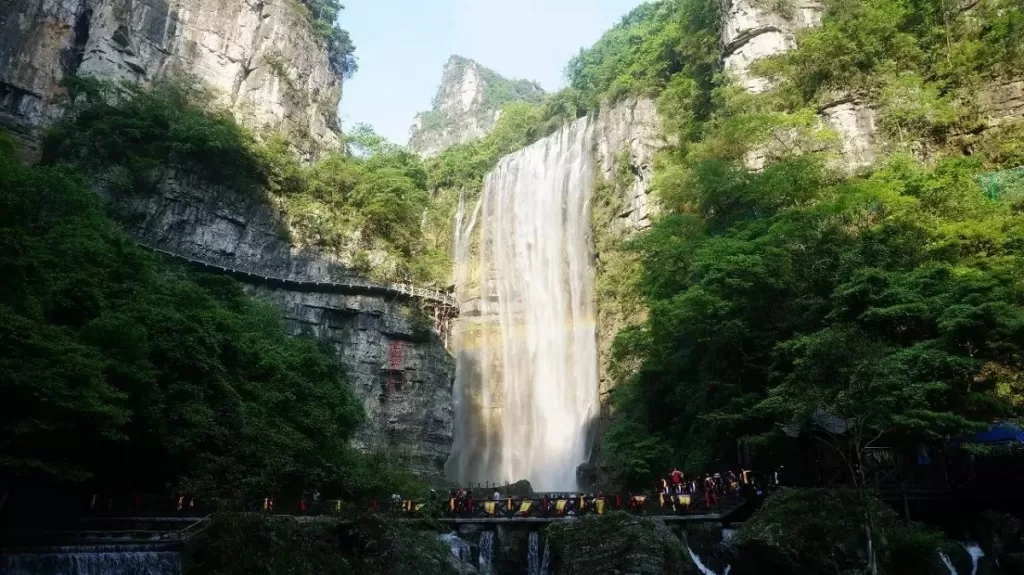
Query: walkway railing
(352, 286)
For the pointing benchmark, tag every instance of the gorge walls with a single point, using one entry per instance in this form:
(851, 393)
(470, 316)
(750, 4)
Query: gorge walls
(267, 66)
(262, 59)
(395, 362)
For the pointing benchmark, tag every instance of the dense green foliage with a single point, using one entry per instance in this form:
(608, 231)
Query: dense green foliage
(821, 531)
(890, 299)
(118, 367)
(256, 545)
(641, 55)
(365, 207)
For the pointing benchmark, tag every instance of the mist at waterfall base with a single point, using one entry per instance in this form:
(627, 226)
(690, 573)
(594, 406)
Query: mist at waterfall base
(526, 342)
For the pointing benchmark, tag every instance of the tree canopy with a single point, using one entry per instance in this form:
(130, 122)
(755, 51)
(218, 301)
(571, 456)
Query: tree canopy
(121, 369)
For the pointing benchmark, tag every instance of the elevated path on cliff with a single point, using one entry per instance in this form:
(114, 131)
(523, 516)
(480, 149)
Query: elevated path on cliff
(351, 286)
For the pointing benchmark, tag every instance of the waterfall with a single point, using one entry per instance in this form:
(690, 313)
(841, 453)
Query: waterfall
(486, 551)
(976, 553)
(533, 554)
(545, 564)
(93, 560)
(460, 549)
(526, 344)
(947, 563)
(705, 570)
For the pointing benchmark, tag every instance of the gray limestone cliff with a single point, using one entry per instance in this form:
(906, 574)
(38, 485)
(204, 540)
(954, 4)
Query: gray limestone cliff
(753, 29)
(396, 363)
(262, 58)
(467, 105)
(757, 29)
(628, 135)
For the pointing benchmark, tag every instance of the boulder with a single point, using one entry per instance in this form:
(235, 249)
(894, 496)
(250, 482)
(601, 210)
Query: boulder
(997, 532)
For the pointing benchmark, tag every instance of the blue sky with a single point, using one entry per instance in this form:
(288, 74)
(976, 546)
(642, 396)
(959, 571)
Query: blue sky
(402, 46)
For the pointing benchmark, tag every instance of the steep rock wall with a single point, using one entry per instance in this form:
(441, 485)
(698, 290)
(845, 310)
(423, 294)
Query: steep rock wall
(396, 364)
(466, 107)
(628, 135)
(261, 58)
(630, 132)
(752, 30)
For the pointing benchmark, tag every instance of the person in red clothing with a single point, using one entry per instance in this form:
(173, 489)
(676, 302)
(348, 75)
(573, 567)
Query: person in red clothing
(677, 481)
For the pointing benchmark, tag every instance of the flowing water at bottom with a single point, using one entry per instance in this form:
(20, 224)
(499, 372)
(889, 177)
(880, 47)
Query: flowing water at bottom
(486, 552)
(93, 560)
(533, 554)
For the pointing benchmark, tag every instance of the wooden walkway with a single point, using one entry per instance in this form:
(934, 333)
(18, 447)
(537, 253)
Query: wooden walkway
(357, 287)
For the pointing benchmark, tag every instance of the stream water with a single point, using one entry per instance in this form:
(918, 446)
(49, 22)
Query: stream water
(93, 560)
(526, 343)
(486, 552)
(533, 554)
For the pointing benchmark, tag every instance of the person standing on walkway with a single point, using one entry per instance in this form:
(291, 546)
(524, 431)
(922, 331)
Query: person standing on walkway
(677, 481)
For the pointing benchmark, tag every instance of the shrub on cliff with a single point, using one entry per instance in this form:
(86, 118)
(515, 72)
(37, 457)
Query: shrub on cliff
(826, 531)
(615, 543)
(251, 544)
(367, 207)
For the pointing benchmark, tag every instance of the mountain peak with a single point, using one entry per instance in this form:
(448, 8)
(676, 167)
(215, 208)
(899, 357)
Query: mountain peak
(467, 105)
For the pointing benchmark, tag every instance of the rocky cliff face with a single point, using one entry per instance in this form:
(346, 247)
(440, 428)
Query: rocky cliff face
(466, 107)
(395, 362)
(752, 30)
(628, 135)
(262, 59)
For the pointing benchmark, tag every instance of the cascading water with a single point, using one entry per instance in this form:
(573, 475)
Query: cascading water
(947, 563)
(545, 564)
(93, 560)
(526, 345)
(533, 554)
(486, 552)
(700, 564)
(976, 553)
(460, 549)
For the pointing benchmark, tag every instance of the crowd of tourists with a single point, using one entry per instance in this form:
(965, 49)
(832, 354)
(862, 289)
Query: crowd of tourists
(675, 493)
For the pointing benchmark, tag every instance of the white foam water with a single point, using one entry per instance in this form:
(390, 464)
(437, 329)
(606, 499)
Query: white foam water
(526, 344)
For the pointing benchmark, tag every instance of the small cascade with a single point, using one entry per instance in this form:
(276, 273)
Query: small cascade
(545, 564)
(948, 563)
(93, 560)
(704, 569)
(729, 536)
(533, 554)
(976, 554)
(460, 549)
(486, 552)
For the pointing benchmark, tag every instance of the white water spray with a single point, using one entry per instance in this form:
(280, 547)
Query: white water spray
(976, 553)
(947, 563)
(704, 569)
(486, 552)
(526, 344)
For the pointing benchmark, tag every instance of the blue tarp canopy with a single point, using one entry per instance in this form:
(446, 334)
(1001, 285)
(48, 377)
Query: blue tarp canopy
(999, 433)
